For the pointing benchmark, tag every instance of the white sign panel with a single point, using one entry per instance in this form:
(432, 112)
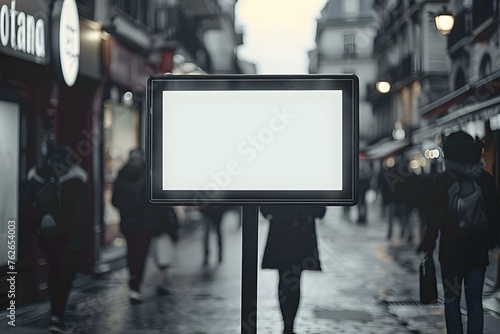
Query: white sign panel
(252, 140)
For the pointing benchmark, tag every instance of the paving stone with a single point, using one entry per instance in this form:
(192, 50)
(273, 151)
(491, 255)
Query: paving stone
(368, 286)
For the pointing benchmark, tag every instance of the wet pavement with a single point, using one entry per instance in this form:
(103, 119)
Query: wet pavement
(368, 285)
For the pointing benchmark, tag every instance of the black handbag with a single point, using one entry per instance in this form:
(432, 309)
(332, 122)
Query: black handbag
(428, 283)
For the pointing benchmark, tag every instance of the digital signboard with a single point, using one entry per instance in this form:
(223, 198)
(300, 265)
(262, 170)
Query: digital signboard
(252, 139)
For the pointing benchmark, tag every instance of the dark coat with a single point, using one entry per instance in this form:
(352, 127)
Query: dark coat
(74, 218)
(291, 241)
(214, 213)
(460, 247)
(136, 214)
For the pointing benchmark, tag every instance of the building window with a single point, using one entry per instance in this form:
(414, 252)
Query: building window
(86, 8)
(485, 67)
(136, 10)
(459, 79)
(350, 7)
(349, 46)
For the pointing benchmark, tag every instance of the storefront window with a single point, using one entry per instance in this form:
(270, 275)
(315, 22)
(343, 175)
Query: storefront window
(121, 127)
(9, 180)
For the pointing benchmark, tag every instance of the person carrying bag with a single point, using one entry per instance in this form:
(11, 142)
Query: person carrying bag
(428, 282)
(464, 208)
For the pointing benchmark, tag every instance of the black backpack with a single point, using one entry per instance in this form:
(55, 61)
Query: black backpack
(465, 201)
(48, 204)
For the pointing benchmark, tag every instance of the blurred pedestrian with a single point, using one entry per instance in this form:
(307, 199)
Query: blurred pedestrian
(213, 218)
(463, 251)
(383, 190)
(291, 248)
(162, 246)
(423, 189)
(57, 192)
(363, 187)
(137, 218)
(346, 213)
(396, 183)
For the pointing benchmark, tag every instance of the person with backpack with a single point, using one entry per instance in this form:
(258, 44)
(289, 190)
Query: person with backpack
(464, 207)
(55, 202)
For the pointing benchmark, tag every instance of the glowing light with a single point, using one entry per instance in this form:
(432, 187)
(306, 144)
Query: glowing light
(414, 164)
(390, 162)
(383, 87)
(128, 96)
(444, 22)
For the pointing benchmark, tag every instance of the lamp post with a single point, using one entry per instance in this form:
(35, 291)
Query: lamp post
(444, 21)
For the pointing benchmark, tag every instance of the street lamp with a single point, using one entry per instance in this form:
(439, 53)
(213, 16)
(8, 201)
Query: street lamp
(444, 21)
(398, 133)
(383, 87)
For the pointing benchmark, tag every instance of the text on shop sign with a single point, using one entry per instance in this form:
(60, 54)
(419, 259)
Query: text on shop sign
(23, 32)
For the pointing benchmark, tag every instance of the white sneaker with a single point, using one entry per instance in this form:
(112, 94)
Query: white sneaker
(57, 326)
(135, 297)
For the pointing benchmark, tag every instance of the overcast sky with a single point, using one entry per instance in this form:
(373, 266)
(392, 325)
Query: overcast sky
(278, 33)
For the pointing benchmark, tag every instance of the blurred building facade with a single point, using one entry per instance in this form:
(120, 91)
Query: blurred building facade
(471, 102)
(411, 57)
(439, 83)
(86, 91)
(344, 44)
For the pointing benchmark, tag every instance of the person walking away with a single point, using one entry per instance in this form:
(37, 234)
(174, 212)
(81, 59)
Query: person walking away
(364, 186)
(162, 246)
(464, 243)
(383, 190)
(291, 248)
(213, 218)
(136, 218)
(395, 182)
(57, 193)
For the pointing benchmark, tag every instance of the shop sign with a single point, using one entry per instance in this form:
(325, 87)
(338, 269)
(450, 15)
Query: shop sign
(23, 26)
(66, 40)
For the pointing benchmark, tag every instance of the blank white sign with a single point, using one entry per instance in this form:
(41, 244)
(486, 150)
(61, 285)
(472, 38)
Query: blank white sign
(252, 140)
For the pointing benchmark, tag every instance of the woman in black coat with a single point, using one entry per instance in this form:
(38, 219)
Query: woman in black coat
(291, 248)
(139, 221)
(463, 252)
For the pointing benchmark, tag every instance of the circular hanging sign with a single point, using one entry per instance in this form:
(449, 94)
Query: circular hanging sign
(66, 40)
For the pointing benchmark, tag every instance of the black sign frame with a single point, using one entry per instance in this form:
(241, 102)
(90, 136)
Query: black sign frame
(348, 84)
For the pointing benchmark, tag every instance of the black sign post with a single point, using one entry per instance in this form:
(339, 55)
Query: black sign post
(250, 238)
(312, 117)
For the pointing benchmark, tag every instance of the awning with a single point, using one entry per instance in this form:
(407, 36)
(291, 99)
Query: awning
(481, 90)
(478, 111)
(441, 105)
(385, 148)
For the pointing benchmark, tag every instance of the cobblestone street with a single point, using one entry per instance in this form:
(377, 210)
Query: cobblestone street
(368, 286)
